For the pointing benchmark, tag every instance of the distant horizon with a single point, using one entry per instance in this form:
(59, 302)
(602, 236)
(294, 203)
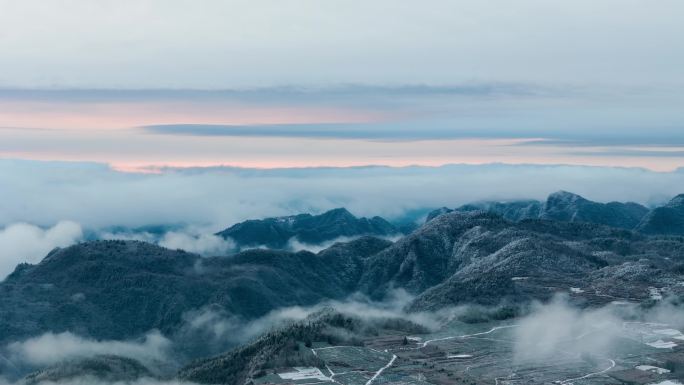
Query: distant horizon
(163, 168)
(346, 126)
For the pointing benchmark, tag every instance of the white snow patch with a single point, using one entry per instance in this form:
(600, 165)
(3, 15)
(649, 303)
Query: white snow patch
(660, 344)
(620, 303)
(668, 332)
(654, 369)
(459, 356)
(655, 293)
(576, 290)
(667, 382)
(304, 374)
(414, 339)
(519, 278)
(673, 333)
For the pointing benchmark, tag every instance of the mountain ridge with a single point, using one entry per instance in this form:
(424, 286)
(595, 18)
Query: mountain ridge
(276, 232)
(668, 219)
(561, 206)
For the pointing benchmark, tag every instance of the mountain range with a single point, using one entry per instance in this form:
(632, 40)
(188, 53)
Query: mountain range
(121, 289)
(337, 224)
(569, 207)
(502, 255)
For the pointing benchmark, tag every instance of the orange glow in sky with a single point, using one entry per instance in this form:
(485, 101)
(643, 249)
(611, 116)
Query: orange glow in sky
(121, 115)
(109, 132)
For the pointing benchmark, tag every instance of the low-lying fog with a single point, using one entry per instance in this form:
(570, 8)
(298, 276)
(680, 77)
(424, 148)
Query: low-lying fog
(543, 333)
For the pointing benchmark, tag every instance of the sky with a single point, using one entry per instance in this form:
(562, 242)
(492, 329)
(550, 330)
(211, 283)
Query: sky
(196, 115)
(199, 115)
(227, 44)
(141, 85)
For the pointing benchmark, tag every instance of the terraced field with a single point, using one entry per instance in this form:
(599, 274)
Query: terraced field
(642, 353)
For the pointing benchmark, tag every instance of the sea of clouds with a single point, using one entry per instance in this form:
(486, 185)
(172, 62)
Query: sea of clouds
(54, 204)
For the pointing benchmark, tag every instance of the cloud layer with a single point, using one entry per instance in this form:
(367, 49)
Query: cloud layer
(348, 126)
(558, 329)
(45, 193)
(194, 239)
(212, 328)
(242, 43)
(51, 348)
(46, 204)
(23, 242)
(203, 244)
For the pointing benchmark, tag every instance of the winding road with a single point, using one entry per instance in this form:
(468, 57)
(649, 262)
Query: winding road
(569, 381)
(394, 357)
(424, 344)
(333, 374)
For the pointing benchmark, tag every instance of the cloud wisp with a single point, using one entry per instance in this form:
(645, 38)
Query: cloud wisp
(194, 239)
(558, 330)
(22, 242)
(51, 348)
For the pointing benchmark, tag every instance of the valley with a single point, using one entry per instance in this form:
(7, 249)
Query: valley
(462, 354)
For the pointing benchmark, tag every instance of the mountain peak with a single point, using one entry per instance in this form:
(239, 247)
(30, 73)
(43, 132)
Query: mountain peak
(668, 219)
(677, 201)
(570, 207)
(435, 213)
(563, 196)
(339, 212)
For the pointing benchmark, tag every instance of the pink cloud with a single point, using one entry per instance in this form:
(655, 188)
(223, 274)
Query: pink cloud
(122, 115)
(133, 150)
